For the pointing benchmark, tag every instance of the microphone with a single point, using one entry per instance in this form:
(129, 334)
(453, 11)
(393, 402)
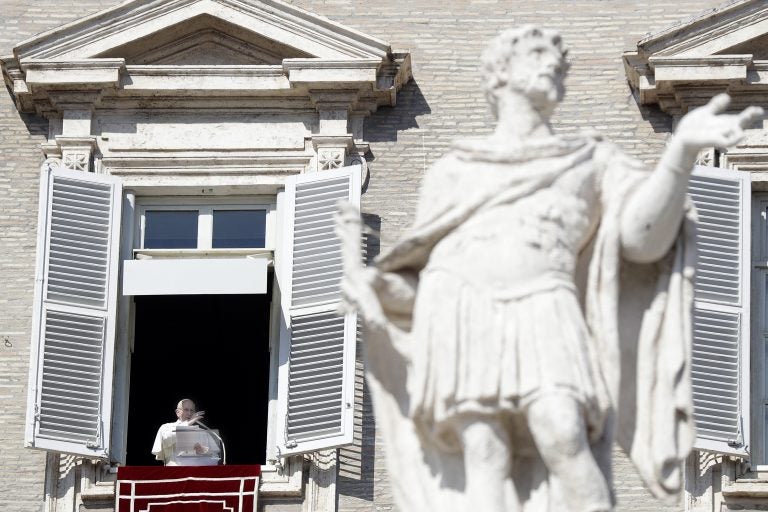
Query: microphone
(217, 436)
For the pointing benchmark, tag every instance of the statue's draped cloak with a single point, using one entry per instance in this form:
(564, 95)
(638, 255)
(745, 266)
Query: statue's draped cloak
(638, 315)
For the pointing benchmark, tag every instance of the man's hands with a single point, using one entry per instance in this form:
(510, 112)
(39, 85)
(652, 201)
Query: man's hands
(195, 417)
(707, 126)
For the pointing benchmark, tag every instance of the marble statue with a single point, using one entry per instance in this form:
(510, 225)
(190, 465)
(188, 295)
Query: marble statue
(539, 307)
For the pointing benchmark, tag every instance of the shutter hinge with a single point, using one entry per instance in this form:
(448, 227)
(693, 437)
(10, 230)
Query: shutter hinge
(291, 443)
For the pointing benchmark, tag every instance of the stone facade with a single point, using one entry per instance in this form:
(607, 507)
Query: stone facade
(444, 100)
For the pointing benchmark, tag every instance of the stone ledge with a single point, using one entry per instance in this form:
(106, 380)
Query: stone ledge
(746, 488)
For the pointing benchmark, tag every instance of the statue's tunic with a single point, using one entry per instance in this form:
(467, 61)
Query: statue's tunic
(497, 321)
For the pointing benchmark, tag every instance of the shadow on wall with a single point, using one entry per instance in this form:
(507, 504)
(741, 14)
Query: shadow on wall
(358, 461)
(661, 122)
(386, 122)
(36, 125)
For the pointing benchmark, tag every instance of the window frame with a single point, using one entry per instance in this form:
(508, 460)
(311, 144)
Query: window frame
(205, 205)
(135, 204)
(759, 370)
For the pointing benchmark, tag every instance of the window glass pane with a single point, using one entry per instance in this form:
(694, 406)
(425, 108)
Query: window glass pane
(169, 229)
(238, 228)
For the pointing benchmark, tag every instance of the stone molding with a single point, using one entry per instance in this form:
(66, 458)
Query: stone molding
(37, 85)
(293, 52)
(329, 75)
(682, 67)
(712, 32)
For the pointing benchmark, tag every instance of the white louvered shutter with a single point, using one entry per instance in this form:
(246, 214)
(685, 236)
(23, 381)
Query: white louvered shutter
(73, 331)
(317, 346)
(720, 362)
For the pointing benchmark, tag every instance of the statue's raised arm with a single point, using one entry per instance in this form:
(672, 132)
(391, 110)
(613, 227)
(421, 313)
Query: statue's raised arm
(652, 217)
(496, 324)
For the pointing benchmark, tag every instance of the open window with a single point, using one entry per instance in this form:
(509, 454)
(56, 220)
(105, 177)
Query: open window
(721, 330)
(314, 396)
(212, 348)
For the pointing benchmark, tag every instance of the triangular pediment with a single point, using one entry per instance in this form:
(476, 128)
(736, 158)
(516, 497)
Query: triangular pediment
(204, 41)
(269, 27)
(725, 30)
(721, 50)
(757, 47)
(185, 49)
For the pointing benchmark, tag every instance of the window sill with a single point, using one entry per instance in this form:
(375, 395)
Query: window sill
(746, 488)
(148, 254)
(99, 492)
(282, 483)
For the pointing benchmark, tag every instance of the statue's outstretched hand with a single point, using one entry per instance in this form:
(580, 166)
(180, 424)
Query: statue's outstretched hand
(707, 126)
(651, 218)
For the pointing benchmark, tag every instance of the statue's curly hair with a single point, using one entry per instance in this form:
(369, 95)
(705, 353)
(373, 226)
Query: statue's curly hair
(498, 55)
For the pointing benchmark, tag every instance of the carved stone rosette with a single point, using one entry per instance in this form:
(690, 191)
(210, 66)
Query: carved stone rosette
(76, 152)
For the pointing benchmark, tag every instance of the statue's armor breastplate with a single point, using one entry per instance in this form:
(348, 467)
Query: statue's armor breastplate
(533, 243)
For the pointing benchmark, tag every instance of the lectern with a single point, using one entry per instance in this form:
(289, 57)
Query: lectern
(196, 447)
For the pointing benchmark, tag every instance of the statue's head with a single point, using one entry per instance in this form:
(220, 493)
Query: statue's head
(528, 61)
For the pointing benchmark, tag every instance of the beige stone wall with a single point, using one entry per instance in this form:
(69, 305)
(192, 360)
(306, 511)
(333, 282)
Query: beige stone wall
(21, 470)
(445, 38)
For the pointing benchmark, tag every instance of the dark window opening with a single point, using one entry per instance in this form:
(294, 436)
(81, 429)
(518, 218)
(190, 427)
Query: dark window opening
(213, 349)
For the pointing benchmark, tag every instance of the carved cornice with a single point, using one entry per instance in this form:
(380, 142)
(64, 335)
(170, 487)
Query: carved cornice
(682, 67)
(711, 32)
(86, 74)
(38, 85)
(200, 165)
(73, 57)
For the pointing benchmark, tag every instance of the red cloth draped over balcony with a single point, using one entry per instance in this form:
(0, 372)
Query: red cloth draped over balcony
(187, 488)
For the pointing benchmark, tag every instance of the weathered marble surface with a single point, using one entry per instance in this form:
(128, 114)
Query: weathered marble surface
(539, 307)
